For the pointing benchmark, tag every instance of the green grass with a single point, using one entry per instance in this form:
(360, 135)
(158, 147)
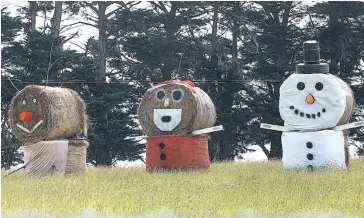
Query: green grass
(226, 190)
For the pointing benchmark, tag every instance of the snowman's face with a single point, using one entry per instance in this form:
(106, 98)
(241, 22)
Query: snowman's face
(312, 101)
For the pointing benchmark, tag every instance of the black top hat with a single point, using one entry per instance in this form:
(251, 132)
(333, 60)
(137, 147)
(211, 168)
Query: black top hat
(311, 52)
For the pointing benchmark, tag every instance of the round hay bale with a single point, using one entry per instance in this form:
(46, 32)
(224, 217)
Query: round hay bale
(346, 147)
(175, 108)
(76, 161)
(39, 113)
(186, 152)
(315, 101)
(350, 102)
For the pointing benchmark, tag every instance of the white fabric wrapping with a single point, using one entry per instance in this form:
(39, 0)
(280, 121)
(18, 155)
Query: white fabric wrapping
(332, 98)
(327, 150)
(46, 157)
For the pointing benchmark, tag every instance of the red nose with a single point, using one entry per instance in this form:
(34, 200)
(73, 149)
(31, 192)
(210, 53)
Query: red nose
(26, 116)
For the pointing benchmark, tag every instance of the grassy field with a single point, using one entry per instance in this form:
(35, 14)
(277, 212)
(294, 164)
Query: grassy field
(227, 190)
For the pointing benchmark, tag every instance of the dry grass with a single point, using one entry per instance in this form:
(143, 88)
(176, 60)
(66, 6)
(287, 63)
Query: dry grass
(227, 190)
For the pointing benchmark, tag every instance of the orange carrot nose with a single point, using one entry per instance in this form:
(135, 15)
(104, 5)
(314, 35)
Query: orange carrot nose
(26, 116)
(310, 99)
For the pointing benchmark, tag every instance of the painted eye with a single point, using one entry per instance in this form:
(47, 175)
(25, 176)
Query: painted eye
(177, 94)
(319, 86)
(300, 86)
(160, 94)
(34, 100)
(24, 102)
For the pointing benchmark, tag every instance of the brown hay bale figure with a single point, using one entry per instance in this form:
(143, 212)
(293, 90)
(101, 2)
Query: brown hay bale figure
(39, 113)
(175, 108)
(168, 113)
(39, 117)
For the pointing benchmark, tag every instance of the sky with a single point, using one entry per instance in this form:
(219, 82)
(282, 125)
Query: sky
(84, 30)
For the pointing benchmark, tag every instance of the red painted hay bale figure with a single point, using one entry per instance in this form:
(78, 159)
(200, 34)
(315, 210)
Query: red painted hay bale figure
(168, 113)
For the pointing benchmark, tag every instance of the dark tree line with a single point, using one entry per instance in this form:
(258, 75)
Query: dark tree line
(238, 52)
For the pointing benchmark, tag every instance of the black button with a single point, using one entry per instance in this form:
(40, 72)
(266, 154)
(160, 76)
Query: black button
(291, 107)
(163, 156)
(323, 110)
(302, 114)
(310, 156)
(310, 167)
(309, 145)
(162, 145)
(296, 111)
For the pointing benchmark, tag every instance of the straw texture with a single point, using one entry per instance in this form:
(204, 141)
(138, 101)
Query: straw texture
(62, 111)
(76, 161)
(198, 111)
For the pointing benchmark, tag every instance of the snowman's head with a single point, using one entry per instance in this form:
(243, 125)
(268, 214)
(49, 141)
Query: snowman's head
(312, 101)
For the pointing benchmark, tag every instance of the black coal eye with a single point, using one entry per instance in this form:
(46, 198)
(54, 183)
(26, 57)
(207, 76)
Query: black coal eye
(34, 100)
(177, 94)
(25, 102)
(319, 86)
(160, 94)
(300, 86)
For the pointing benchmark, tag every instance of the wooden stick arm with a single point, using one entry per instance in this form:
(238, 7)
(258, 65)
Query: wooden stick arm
(349, 125)
(208, 130)
(274, 127)
(286, 129)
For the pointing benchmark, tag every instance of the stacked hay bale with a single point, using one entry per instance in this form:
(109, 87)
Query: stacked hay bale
(40, 115)
(168, 113)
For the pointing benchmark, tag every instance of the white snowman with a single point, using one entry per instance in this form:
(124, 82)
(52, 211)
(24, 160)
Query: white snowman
(316, 107)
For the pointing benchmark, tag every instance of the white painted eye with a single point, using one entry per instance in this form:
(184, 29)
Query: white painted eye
(34, 100)
(24, 102)
(160, 94)
(177, 94)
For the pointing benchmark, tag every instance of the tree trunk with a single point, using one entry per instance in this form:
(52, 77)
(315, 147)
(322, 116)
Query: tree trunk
(214, 72)
(214, 30)
(101, 75)
(334, 45)
(169, 61)
(56, 19)
(33, 14)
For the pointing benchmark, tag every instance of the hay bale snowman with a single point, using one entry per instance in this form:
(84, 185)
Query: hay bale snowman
(50, 121)
(316, 107)
(174, 115)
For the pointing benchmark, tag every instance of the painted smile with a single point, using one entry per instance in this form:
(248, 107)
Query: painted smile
(309, 116)
(29, 131)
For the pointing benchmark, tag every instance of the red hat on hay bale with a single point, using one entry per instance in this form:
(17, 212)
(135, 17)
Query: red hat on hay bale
(188, 83)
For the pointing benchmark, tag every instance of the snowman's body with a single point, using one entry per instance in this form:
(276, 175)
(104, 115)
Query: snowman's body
(315, 106)
(311, 105)
(318, 149)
